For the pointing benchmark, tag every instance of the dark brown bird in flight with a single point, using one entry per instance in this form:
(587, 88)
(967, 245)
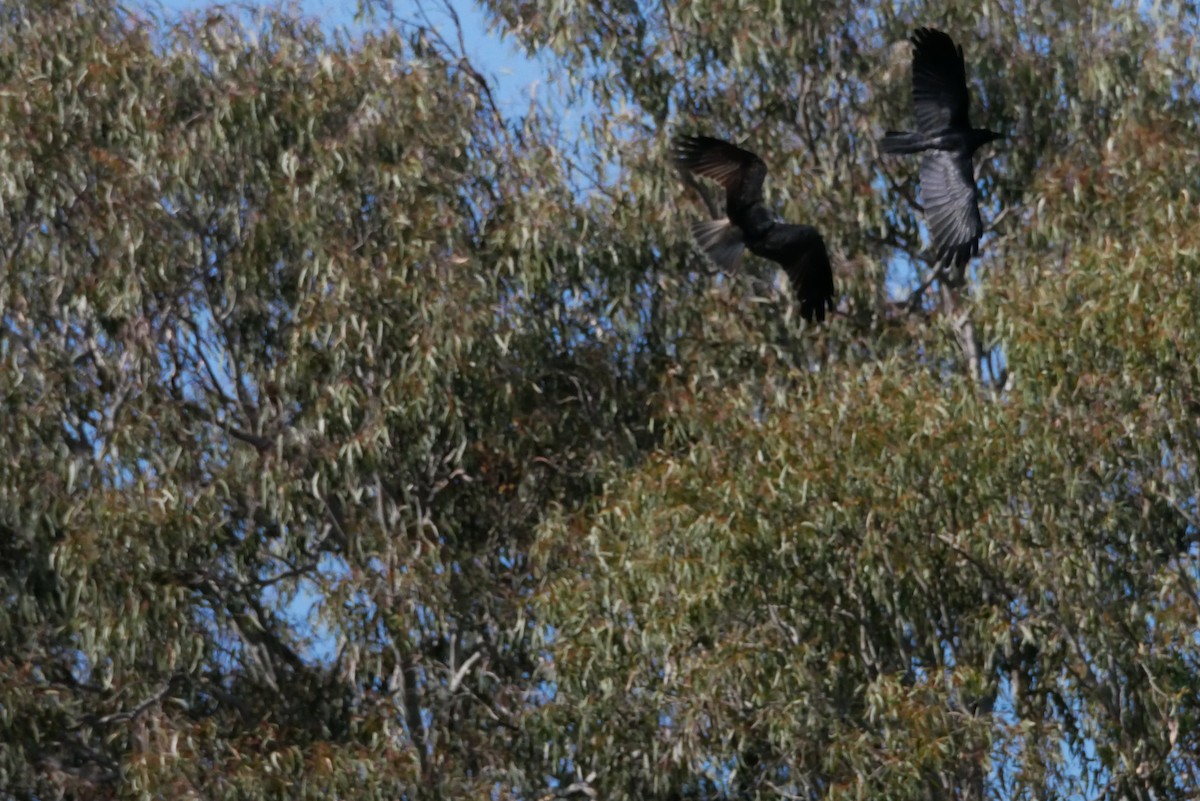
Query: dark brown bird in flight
(944, 134)
(750, 225)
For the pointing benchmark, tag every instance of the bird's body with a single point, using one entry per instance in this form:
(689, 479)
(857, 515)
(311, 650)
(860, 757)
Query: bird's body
(944, 134)
(780, 242)
(750, 225)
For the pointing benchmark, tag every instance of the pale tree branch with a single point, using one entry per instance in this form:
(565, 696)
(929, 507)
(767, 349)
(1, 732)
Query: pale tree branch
(964, 331)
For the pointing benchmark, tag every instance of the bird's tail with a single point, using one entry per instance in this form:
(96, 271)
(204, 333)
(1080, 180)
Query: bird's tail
(721, 240)
(902, 142)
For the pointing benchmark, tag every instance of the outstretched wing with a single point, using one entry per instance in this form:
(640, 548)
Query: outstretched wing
(800, 251)
(951, 208)
(738, 171)
(939, 82)
(812, 280)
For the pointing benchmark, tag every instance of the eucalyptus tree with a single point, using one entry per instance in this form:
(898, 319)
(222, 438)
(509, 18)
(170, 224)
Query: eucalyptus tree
(362, 439)
(299, 342)
(945, 547)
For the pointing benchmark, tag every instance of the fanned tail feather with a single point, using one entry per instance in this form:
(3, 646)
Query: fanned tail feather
(721, 240)
(953, 261)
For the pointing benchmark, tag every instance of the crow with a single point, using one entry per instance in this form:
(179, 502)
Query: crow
(944, 134)
(749, 225)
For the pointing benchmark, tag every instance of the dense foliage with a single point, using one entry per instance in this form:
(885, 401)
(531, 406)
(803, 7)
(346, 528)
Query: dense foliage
(360, 439)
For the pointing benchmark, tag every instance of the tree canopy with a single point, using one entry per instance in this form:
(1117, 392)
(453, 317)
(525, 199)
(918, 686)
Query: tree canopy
(361, 438)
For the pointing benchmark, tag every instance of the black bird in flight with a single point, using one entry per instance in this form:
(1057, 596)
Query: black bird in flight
(944, 134)
(798, 249)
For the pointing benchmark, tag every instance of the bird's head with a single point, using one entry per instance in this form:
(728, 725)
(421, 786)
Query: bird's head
(981, 136)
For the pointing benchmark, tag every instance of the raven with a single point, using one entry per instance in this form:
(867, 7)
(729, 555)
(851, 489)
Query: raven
(799, 249)
(945, 135)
